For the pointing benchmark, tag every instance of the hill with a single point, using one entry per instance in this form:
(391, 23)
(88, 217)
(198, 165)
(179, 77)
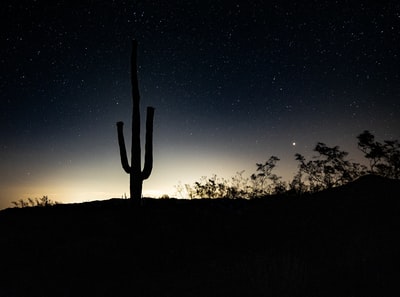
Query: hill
(340, 242)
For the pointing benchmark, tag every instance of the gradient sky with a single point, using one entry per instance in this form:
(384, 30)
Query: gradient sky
(233, 82)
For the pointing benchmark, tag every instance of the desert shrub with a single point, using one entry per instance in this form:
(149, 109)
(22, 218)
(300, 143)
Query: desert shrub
(264, 182)
(328, 169)
(297, 186)
(44, 201)
(384, 158)
(259, 184)
(213, 187)
(239, 186)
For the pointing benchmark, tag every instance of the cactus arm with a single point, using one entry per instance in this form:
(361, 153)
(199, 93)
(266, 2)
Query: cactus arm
(122, 148)
(148, 157)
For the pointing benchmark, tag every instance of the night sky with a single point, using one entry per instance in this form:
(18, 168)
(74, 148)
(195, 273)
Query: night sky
(233, 82)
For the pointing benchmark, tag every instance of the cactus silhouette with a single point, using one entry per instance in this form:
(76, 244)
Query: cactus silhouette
(136, 174)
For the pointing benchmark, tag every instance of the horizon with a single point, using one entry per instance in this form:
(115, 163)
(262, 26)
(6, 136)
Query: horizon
(174, 193)
(78, 194)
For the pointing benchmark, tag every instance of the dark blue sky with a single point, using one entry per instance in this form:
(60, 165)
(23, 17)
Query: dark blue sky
(233, 82)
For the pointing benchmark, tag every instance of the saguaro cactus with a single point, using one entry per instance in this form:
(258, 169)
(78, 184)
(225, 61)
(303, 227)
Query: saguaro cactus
(135, 172)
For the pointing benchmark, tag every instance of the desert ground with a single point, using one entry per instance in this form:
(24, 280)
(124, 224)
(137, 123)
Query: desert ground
(340, 242)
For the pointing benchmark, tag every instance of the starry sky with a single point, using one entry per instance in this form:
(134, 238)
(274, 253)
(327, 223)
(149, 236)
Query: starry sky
(233, 82)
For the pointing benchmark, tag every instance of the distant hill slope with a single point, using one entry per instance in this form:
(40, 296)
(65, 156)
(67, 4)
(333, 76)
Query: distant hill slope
(366, 190)
(371, 185)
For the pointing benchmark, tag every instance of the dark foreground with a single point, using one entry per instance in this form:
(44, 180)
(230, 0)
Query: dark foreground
(343, 242)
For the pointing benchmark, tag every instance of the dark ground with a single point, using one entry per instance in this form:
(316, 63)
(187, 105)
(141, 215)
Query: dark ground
(343, 242)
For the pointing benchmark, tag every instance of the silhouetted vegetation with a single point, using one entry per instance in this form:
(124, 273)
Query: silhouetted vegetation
(264, 181)
(134, 170)
(328, 169)
(384, 158)
(44, 201)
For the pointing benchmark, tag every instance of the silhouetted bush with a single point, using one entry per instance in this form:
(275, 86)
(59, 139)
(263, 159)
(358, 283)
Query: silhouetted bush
(384, 158)
(45, 201)
(265, 182)
(260, 184)
(212, 188)
(328, 169)
(297, 186)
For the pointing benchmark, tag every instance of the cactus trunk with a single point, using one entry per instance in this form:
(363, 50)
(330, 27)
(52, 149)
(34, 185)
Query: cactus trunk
(136, 174)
